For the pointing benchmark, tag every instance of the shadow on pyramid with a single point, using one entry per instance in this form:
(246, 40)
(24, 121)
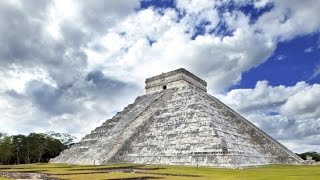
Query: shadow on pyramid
(177, 123)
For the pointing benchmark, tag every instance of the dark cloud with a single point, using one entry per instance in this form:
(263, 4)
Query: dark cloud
(21, 34)
(71, 98)
(103, 83)
(279, 127)
(99, 14)
(48, 98)
(288, 129)
(266, 107)
(26, 41)
(12, 93)
(73, 34)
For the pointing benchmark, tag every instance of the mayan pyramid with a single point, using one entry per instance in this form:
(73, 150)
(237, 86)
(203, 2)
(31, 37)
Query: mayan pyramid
(178, 123)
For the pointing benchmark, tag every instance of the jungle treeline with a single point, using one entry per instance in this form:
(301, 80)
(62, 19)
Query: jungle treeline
(32, 148)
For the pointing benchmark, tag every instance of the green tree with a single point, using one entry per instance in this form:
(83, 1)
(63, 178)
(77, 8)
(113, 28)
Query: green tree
(18, 147)
(53, 148)
(5, 149)
(315, 156)
(37, 144)
(34, 148)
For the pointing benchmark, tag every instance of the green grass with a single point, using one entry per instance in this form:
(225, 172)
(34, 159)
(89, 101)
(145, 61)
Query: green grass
(77, 172)
(2, 178)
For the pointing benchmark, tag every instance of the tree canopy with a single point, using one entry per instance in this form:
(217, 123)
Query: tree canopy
(315, 156)
(33, 148)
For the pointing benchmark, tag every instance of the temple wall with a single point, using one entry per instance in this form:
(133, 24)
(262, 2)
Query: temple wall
(173, 79)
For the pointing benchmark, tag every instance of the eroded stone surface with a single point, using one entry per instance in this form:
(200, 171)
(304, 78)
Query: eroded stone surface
(178, 125)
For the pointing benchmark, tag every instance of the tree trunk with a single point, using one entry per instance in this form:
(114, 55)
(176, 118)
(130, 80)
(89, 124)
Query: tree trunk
(18, 161)
(39, 157)
(28, 159)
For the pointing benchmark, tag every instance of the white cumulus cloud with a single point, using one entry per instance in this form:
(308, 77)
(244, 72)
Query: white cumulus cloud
(290, 114)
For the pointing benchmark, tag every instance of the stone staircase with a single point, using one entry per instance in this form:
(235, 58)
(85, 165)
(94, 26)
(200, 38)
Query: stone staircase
(102, 143)
(129, 131)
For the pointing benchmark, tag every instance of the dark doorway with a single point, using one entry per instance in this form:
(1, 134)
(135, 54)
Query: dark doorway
(164, 87)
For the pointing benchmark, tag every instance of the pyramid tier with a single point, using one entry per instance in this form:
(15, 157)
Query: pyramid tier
(179, 126)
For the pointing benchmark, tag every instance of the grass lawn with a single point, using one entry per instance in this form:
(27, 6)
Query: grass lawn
(126, 171)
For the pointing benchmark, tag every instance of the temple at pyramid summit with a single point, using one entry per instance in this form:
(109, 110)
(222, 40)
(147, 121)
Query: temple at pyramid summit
(178, 123)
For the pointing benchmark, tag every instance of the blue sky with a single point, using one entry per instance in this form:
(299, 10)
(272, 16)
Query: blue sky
(70, 65)
(293, 61)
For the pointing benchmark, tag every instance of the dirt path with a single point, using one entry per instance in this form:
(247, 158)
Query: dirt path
(26, 176)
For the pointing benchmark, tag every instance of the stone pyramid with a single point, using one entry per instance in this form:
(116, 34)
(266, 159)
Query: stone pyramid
(177, 123)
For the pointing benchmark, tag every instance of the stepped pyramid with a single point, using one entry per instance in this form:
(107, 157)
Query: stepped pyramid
(176, 122)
